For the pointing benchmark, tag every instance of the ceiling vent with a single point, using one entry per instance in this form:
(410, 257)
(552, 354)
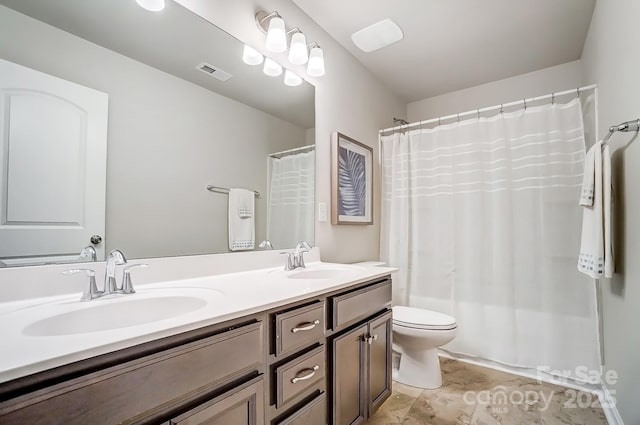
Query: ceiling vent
(213, 71)
(376, 36)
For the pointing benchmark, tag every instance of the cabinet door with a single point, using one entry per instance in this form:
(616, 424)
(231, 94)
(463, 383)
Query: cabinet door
(349, 356)
(379, 361)
(243, 405)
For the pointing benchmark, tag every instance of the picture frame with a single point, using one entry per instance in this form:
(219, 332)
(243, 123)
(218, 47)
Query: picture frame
(351, 181)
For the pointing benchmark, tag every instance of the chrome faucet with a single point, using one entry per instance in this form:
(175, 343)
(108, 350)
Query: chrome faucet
(301, 248)
(295, 259)
(115, 258)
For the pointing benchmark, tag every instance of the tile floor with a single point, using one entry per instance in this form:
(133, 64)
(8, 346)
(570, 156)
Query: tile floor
(473, 395)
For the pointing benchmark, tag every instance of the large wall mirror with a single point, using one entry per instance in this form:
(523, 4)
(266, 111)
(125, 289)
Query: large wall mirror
(115, 121)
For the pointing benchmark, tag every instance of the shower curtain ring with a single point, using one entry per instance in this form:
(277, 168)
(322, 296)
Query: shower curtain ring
(501, 109)
(439, 121)
(458, 117)
(578, 92)
(478, 113)
(525, 104)
(553, 98)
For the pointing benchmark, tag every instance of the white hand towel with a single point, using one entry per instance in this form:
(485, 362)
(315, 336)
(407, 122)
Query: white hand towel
(242, 229)
(596, 253)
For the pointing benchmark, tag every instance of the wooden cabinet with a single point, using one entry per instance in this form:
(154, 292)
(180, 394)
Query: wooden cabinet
(360, 351)
(269, 368)
(241, 406)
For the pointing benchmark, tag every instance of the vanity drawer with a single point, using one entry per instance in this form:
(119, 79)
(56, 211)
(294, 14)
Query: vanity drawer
(312, 413)
(352, 306)
(296, 328)
(146, 386)
(299, 374)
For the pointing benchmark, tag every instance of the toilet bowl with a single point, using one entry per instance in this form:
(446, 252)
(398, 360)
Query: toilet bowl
(417, 334)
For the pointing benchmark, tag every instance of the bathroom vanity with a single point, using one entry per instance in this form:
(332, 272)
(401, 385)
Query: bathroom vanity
(323, 357)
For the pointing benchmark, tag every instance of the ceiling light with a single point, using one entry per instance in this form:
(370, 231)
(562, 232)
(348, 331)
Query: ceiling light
(152, 5)
(277, 35)
(291, 79)
(315, 68)
(251, 56)
(271, 68)
(298, 55)
(376, 36)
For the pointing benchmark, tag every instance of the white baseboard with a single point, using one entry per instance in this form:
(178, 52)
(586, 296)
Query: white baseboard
(609, 407)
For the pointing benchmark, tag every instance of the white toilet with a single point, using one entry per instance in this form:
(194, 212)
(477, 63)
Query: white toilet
(417, 334)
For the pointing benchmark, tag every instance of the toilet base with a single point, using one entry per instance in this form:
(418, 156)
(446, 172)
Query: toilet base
(419, 368)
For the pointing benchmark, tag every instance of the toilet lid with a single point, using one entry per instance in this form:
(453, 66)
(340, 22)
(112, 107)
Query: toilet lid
(422, 319)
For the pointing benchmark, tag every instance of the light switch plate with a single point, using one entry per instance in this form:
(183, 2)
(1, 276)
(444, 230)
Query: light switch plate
(322, 211)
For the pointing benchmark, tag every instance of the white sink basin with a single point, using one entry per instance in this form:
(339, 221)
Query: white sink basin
(104, 315)
(323, 273)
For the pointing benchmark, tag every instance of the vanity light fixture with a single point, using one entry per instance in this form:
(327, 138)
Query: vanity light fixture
(291, 79)
(152, 5)
(298, 54)
(251, 56)
(274, 27)
(271, 68)
(276, 32)
(315, 67)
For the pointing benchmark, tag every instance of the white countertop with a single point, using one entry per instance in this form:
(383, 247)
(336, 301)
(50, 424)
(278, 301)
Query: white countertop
(227, 296)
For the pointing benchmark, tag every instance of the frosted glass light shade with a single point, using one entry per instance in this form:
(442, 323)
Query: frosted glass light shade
(291, 79)
(151, 5)
(315, 68)
(271, 68)
(251, 56)
(298, 54)
(277, 35)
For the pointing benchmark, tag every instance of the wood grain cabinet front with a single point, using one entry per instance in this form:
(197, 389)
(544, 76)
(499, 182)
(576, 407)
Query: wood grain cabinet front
(299, 327)
(244, 405)
(350, 307)
(148, 387)
(312, 413)
(361, 370)
(300, 374)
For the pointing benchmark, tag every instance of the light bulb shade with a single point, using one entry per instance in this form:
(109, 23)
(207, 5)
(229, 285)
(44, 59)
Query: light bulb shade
(315, 68)
(291, 79)
(298, 55)
(251, 56)
(152, 5)
(277, 35)
(271, 68)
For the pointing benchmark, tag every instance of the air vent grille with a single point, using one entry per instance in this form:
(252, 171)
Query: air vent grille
(213, 71)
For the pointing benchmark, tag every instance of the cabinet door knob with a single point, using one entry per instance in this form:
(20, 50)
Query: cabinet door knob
(307, 326)
(307, 374)
(370, 339)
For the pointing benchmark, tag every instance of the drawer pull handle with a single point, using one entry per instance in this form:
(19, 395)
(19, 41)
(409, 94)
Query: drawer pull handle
(305, 326)
(308, 374)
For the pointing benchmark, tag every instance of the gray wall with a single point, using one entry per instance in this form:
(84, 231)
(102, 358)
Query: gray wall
(167, 140)
(537, 83)
(610, 59)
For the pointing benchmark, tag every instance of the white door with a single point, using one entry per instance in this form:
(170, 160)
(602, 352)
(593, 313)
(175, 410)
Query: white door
(52, 166)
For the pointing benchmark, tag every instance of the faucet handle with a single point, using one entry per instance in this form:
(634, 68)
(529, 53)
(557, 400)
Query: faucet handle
(289, 264)
(91, 290)
(303, 246)
(127, 285)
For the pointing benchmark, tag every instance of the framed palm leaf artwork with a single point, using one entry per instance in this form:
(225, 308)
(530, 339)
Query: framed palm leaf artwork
(351, 181)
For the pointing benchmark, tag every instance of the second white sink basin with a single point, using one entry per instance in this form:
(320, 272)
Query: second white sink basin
(320, 274)
(124, 313)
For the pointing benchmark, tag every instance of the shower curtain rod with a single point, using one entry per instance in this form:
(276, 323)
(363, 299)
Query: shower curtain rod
(500, 107)
(292, 151)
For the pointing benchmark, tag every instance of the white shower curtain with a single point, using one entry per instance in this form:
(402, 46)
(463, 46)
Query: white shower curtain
(291, 200)
(482, 219)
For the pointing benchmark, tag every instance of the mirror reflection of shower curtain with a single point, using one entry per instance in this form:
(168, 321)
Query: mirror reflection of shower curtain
(482, 219)
(291, 200)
